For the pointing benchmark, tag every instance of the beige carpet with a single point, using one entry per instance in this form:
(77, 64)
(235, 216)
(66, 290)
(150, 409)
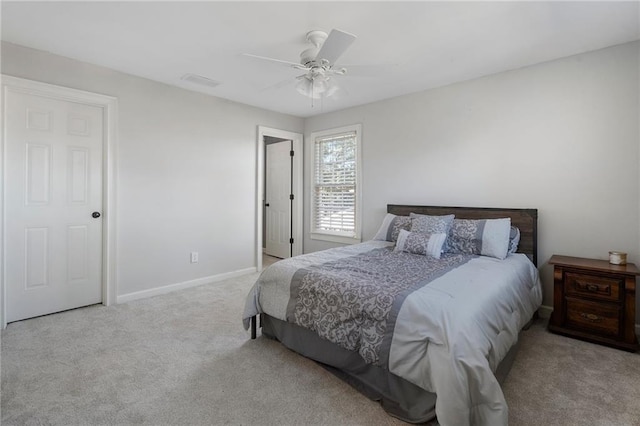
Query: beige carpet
(184, 359)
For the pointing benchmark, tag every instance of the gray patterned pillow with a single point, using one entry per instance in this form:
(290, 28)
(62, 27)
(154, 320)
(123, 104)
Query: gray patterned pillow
(419, 243)
(486, 237)
(426, 224)
(514, 239)
(391, 226)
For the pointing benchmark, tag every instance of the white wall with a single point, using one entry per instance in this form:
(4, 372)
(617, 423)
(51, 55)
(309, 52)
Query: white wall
(186, 172)
(561, 137)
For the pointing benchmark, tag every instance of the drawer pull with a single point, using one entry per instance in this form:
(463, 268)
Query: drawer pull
(593, 288)
(590, 317)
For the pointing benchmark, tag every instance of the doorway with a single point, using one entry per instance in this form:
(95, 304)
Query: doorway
(279, 194)
(277, 233)
(56, 227)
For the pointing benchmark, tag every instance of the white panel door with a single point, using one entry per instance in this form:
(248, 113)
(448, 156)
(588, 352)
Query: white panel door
(53, 186)
(278, 210)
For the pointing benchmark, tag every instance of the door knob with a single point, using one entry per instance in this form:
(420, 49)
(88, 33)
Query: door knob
(266, 204)
(95, 215)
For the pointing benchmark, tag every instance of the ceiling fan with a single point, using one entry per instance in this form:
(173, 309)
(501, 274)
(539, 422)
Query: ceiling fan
(318, 62)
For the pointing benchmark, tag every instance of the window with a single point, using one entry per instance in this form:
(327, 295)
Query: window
(335, 192)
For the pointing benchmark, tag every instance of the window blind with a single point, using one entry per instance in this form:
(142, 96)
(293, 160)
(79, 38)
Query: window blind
(335, 184)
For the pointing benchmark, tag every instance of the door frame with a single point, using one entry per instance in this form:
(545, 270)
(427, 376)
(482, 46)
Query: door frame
(109, 106)
(297, 213)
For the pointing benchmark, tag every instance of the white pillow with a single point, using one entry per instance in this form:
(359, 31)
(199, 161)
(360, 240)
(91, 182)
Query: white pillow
(419, 243)
(391, 226)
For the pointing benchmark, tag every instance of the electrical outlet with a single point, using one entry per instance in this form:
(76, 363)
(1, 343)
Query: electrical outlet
(194, 257)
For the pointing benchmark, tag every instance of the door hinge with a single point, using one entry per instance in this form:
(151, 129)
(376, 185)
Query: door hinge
(291, 153)
(291, 196)
(290, 240)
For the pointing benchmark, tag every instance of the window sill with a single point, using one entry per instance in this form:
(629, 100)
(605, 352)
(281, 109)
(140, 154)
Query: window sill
(335, 238)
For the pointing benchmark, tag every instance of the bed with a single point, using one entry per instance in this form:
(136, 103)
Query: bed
(424, 336)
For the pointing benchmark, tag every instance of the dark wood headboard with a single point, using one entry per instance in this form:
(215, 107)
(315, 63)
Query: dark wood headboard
(525, 219)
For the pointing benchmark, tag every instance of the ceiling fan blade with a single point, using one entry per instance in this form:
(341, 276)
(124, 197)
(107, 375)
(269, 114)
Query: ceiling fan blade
(280, 61)
(288, 82)
(284, 83)
(335, 45)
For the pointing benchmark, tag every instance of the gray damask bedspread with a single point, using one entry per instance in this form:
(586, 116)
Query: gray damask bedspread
(349, 301)
(442, 324)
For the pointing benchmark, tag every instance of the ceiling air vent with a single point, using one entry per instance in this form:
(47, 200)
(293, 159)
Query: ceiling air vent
(198, 79)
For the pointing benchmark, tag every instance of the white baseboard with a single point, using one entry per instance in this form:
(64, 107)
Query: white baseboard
(183, 285)
(545, 311)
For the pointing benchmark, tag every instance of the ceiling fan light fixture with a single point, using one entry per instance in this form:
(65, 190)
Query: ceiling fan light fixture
(303, 86)
(332, 88)
(314, 87)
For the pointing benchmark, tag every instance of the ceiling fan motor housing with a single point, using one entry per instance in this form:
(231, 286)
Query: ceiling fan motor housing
(308, 56)
(317, 39)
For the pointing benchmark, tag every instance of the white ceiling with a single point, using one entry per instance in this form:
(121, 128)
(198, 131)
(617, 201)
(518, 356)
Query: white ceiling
(404, 46)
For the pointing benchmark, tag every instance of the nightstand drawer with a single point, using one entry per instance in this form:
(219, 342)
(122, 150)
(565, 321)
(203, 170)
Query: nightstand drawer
(597, 317)
(580, 284)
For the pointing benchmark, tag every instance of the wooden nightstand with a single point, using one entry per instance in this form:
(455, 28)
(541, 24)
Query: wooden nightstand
(594, 300)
